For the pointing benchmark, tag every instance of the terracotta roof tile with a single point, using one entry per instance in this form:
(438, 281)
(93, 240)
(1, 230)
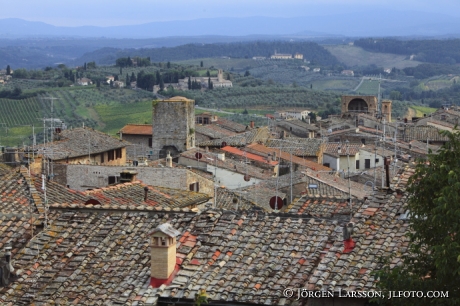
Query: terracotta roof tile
(75, 142)
(286, 156)
(137, 129)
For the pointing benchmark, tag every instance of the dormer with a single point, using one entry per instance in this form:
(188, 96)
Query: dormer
(163, 253)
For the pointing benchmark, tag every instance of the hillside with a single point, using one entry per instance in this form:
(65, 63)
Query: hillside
(311, 51)
(353, 56)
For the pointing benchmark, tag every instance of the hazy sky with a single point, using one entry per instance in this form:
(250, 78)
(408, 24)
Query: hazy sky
(117, 12)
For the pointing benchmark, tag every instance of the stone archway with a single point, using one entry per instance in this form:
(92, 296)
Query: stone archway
(358, 105)
(164, 151)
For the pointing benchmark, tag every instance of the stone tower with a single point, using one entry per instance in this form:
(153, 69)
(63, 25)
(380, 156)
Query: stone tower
(173, 126)
(386, 110)
(163, 251)
(220, 76)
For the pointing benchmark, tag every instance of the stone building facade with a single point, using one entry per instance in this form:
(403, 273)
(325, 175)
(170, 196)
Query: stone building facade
(359, 104)
(84, 177)
(173, 126)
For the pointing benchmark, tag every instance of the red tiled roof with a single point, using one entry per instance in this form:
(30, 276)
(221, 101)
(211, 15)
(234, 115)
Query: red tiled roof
(255, 157)
(287, 156)
(137, 129)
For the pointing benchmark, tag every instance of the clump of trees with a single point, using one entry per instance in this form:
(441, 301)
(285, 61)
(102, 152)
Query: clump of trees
(135, 61)
(432, 262)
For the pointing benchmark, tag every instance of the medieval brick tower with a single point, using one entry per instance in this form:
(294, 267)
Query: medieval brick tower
(386, 110)
(173, 126)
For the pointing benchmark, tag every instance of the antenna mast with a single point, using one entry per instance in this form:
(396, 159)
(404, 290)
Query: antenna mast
(378, 99)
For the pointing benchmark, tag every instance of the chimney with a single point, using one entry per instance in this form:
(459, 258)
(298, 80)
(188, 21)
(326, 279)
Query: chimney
(8, 257)
(251, 124)
(163, 255)
(348, 242)
(146, 192)
(169, 160)
(8, 254)
(274, 156)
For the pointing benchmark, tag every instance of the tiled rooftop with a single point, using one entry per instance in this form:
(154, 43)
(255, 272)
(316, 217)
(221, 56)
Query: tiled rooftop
(239, 140)
(137, 129)
(260, 195)
(249, 156)
(77, 142)
(324, 207)
(213, 131)
(230, 125)
(103, 258)
(226, 198)
(122, 195)
(261, 149)
(4, 169)
(422, 133)
(230, 164)
(332, 148)
(298, 146)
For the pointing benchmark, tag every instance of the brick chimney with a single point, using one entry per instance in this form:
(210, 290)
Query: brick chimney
(348, 242)
(163, 254)
(251, 124)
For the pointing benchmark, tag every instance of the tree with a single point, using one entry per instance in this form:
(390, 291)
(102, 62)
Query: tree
(127, 80)
(246, 74)
(168, 64)
(208, 74)
(8, 70)
(84, 66)
(432, 261)
(162, 84)
(201, 64)
(189, 83)
(133, 77)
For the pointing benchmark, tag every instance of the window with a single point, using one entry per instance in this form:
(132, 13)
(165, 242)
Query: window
(377, 160)
(110, 155)
(367, 163)
(357, 164)
(102, 157)
(363, 141)
(112, 180)
(150, 142)
(195, 187)
(327, 165)
(118, 153)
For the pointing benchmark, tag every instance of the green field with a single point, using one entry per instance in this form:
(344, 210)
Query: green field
(116, 116)
(356, 56)
(368, 87)
(421, 110)
(341, 85)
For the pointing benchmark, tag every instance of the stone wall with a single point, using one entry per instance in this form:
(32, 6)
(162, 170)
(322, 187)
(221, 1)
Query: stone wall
(140, 146)
(83, 177)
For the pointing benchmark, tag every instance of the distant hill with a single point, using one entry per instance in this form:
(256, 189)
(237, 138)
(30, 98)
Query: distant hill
(311, 51)
(364, 23)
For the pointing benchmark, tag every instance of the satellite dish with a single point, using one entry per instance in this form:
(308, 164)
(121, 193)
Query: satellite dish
(329, 131)
(276, 203)
(198, 155)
